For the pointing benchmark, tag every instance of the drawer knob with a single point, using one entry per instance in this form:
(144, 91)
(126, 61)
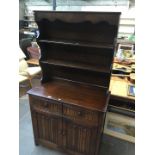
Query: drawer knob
(60, 132)
(46, 105)
(79, 113)
(63, 133)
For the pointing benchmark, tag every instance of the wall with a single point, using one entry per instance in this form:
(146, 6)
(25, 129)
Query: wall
(126, 7)
(21, 9)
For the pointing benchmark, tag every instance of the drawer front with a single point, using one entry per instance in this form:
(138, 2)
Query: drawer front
(45, 105)
(80, 114)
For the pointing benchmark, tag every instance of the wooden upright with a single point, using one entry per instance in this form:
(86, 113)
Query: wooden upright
(68, 109)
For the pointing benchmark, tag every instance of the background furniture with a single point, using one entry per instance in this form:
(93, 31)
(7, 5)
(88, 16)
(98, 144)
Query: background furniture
(33, 62)
(24, 43)
(34, 52)
(26, 72)
(120, 101)
(22, 78)
(68, 109)
(120, 118)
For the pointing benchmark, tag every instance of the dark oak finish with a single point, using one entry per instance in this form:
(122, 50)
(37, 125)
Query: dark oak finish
(80, 138)
(78, 46)
(91, 27)
(68, 109)
(72, 93)
(75, 128)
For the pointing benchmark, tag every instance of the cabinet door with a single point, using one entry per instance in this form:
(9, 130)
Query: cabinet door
(47, 129)
(79, 139)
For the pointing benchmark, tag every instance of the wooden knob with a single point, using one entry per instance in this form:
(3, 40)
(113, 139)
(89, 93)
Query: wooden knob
(46, 105)
(79, 113)
(63, 133)
(60, 132)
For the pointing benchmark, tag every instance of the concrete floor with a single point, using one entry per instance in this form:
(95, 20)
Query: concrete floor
(109, 146)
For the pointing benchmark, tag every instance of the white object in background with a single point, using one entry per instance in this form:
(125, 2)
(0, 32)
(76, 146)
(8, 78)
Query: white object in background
(21, 54)
(29, 33)
(26, 72)
(122, 51)
(120, 126)
(120, 55)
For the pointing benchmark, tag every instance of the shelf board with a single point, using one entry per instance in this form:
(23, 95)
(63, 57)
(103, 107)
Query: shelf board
(77, 65)
(73, 43)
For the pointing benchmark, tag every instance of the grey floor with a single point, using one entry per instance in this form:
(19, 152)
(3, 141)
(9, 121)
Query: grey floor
(109, 146)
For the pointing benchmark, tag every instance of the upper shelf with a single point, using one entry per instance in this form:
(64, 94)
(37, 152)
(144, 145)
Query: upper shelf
(77, 46)
(98, 29)
(82, 44)
(78, 65)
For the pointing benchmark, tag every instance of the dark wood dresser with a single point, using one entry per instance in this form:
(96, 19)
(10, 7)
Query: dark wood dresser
(68, 109)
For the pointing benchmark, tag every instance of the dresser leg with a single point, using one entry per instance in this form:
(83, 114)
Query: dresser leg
(36, 142)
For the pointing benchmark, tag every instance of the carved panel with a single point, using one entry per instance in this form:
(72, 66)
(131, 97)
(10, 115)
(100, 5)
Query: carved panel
(49, 128)
(79, 138)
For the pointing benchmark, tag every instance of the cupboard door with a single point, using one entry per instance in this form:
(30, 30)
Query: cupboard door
(79, 139)
(47, 129)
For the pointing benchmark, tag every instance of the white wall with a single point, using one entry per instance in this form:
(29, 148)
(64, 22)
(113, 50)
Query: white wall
(127, 22)
(21, 10)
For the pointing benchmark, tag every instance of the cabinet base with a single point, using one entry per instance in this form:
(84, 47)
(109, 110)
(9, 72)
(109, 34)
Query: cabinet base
(56, 147)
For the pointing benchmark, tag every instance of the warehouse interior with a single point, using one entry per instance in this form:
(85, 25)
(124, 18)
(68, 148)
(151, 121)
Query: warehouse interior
(118, 129)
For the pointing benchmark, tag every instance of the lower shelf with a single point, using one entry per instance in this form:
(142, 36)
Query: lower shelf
(78, 65)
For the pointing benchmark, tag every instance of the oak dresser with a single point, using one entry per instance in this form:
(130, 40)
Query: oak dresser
(68, 109)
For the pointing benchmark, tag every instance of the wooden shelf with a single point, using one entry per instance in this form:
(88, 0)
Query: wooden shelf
(33, 61)
(77, 65)
(77, 51)
(73, 43)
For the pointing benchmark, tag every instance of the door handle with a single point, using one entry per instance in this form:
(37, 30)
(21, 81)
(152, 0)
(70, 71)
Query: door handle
(79, 113)
(60, 132)
(63, 133)
(46, 105)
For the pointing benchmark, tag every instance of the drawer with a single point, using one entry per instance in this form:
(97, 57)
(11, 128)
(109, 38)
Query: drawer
(80, 114)
(45, 105)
